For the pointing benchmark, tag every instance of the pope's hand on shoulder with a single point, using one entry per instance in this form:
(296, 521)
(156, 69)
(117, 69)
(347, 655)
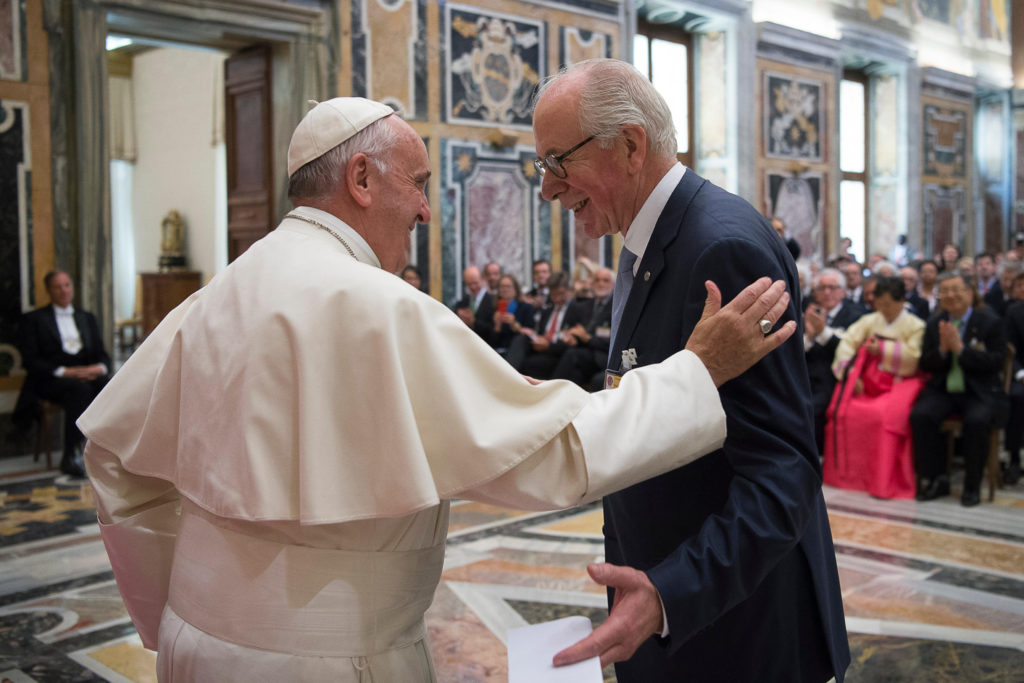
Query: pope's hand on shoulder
(729, 340)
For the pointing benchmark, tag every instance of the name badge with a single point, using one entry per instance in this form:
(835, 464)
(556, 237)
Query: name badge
(603, 332)
(612, 379)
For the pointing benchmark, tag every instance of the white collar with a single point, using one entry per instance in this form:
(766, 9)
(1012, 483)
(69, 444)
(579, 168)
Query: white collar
(361, 249)
(66, 310)
(640, 230)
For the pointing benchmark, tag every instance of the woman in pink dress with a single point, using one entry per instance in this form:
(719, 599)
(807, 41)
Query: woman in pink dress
(867, 434)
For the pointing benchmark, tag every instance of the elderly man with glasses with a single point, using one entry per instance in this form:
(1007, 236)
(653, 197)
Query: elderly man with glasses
(735, 548)
(824, 322)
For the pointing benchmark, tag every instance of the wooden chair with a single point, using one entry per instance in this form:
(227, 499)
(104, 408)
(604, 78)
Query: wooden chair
(48, 412)
(953, 427)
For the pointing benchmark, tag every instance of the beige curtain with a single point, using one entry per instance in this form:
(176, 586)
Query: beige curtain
(121, 119)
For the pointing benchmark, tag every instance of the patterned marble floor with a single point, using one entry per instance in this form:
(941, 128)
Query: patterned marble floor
(933, 592)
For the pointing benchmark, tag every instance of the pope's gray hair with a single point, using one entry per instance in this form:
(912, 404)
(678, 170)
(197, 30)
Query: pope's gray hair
(319, 178)
(615, 94)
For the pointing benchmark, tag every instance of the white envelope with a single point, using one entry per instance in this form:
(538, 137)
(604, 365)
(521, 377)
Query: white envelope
(531, 649)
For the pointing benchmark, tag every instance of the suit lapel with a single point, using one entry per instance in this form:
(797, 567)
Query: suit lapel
(653, 262)
(50, 321)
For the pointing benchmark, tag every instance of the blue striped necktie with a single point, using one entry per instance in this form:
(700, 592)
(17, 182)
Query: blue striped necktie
(623, 283)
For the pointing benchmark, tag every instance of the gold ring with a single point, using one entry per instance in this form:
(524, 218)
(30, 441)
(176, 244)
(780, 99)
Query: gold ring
(766, 326)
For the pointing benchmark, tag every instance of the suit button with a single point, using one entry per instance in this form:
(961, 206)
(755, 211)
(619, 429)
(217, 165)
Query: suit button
(647, 275)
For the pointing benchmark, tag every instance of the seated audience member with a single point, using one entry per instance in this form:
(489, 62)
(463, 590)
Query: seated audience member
(949, 258)
(884, 268)
(791, 244)
(913, 302)
(985, 272)
(867, 442)
(584, 362)
(928, 288)
(411, 274)
(965, 266)
(476, 309)
(544, 346)
(825, 320)
(854, 282)
(1014, 320)
(867, 292)
(964, 349)
(511, 316)
(1001, 295)
(492, 273)
(581, 277)
(538, 294)
(62, 351)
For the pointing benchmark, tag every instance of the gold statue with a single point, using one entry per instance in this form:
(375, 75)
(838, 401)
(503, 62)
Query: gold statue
(172, 242)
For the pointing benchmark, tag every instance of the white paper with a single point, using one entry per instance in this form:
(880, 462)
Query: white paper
(531, 649)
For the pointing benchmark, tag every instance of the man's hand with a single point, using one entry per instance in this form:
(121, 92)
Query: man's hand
(814, 322)
(873, 345)
(540, 343)
(635, 617)
(949, 337)
(729, 340)
(580, 332)
(84, 373)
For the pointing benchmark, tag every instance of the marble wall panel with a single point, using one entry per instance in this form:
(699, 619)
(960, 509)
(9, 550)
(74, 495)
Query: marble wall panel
(712, 138)
(944, 216)
(12, 40)
(991, 140)
(799, 200)
(493, 62)
(885, 133)
(491, 211)
(15, 222)
(885, 216)
(793, 117)
(389, 62)
(576, 45)
(945, 141)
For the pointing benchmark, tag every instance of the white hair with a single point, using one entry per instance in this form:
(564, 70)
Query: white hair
(318, 178)
(883, 265)
(614, 95)
(834, 272)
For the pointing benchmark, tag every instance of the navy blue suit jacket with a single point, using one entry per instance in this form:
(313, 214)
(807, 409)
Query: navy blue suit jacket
(737, 543)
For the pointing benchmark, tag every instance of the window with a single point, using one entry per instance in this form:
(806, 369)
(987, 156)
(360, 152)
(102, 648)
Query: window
(853, 161)
(665, 53)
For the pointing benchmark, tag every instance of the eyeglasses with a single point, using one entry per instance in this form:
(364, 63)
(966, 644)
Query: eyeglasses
(824, 287)
(554, 163)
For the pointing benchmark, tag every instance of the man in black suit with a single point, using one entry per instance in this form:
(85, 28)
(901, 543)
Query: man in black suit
(539, 292)
(723, 569)
(914, 302)
(544, 346)
(476, 308)
(824, 322)
(62, 350)
(854, 273)
(964, 349)
(588, 335)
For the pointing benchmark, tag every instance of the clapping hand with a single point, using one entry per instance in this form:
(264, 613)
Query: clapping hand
(949, 337)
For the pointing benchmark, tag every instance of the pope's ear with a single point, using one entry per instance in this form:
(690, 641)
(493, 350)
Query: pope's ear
(357, 179)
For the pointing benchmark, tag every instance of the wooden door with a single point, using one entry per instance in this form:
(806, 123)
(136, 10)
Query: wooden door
(248, 142)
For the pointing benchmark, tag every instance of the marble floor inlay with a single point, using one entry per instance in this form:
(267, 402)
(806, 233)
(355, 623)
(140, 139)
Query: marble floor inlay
(932, 591)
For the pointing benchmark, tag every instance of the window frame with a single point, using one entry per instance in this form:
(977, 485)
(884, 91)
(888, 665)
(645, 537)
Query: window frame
(674, 34)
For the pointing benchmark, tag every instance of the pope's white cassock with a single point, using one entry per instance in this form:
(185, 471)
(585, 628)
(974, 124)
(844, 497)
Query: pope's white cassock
(273, 466)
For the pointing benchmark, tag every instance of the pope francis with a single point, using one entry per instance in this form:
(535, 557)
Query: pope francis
(273, 467)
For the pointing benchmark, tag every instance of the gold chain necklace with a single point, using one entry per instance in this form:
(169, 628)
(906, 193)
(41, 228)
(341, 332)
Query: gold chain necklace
(320, 225)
